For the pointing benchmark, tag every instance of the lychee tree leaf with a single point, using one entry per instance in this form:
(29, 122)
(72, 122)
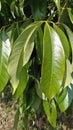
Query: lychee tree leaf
(4, 56)
(53, 64)
(21, 42)
(51, 112)
(69, 34)
(64, 41)
(66, 97)
(70, 13)
(23, 79)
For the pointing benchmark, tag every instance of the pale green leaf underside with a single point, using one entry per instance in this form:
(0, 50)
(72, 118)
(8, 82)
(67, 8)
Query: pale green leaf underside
(53, 65)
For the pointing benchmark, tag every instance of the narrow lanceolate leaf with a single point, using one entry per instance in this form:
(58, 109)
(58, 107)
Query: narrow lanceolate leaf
(53, 65)
(4, 56)
(23, 42)
(51, 112)
(57, 2)
(65, 99)
(64, 41)
(70, 13)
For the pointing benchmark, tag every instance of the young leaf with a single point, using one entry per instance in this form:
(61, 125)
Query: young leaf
(21, 42)
(51, 112)
(4, 57)
(53, 65)
(64, 41)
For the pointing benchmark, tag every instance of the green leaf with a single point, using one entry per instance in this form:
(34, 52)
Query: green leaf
(4, 56)
(68, 73)
(39, 44)
(70, 13)
(69, 34)
(38, 9)
(50, 110)
(27, 50)
(21, 44)
(23, 79)
(36, 104)
(64, 41)
(66, 97)
(53, 65)
(57, 2)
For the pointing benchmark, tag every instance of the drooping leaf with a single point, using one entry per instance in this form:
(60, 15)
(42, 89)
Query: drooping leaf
(65, 99)
(4, 57)
(51, 112)
(21, 43)
(53, 65)
(70, 37)
(23, 79)
(70, 13)
(57, 2)
(64, 41)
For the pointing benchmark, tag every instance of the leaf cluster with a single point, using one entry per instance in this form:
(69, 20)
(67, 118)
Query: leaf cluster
(36, 55)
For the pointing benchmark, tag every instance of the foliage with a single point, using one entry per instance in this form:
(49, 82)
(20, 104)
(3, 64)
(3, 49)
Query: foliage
(36, 55)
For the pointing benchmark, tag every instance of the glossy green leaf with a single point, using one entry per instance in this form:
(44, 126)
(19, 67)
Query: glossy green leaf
(64, 41)
(53, 65)
(20, 44)
(4, 56)
(51, 112)
(23, 79)
(57, 2)
(70, 13)
(65, 99)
